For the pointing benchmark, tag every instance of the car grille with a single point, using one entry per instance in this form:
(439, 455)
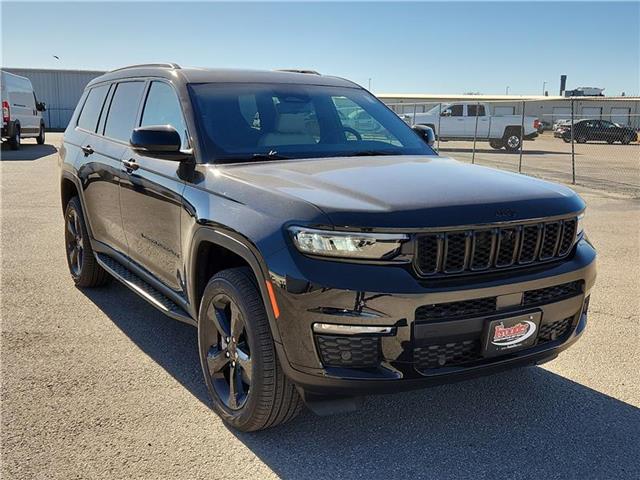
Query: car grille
(555, 330)
(447, 354)
(453, 354)
(552, 294)
(479, 307)
(348, 351)
(488, 249)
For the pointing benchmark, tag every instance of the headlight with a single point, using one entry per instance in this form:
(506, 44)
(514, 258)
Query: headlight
(366, 246)
(580, 225)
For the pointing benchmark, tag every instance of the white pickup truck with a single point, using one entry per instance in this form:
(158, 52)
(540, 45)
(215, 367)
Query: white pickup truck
(457, 121)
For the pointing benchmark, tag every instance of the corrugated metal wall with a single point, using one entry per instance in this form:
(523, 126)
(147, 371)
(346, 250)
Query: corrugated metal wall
(59, 89)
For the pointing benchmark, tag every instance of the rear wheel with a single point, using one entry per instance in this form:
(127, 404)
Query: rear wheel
(14, 142)
(626, 140)
(512, 140)
(85, 269)
(40, 137)
(242, 373)
(496, 144)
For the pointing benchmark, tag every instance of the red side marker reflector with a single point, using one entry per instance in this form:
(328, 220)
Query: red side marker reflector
(272, 299)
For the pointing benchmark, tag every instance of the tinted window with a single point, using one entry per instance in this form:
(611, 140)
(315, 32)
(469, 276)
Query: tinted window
(123, 110)
(92, 106)
(471, 110)
(163, 108)
(298, 121)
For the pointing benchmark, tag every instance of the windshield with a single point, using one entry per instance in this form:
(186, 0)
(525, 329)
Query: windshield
(437, 109)
(248, 122)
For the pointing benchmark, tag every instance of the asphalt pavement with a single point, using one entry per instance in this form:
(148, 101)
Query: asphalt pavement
(98, 384)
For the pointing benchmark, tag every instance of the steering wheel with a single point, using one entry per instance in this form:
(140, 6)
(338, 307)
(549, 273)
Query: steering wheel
(354, 132)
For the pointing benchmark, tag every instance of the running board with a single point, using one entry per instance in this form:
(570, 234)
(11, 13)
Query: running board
(144, 289)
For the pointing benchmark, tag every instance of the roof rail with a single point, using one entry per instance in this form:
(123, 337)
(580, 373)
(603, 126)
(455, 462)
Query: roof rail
(164, 65)
(298, 70)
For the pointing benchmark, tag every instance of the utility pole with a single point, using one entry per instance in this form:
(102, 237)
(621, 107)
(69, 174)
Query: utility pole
(506, 92)
(544, 85)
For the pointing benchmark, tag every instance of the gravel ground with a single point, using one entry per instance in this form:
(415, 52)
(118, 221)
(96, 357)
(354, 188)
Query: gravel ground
(97, 384)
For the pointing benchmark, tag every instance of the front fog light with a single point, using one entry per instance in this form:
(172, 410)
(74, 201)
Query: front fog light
(367, 246)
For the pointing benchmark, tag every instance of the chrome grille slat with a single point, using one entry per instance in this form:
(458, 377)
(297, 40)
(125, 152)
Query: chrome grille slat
(485, 249)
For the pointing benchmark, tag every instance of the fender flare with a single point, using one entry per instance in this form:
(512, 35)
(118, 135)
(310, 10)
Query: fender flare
(65, 175)
(244, 249)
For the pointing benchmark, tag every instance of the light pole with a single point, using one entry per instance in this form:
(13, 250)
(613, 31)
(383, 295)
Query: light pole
(544, 85)
(369, 85)
(506, 92)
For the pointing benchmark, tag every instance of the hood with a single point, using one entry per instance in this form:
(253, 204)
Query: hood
(407, 191)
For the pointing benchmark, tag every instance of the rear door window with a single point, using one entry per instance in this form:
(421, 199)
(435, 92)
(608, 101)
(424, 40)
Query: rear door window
(472, 109)
(163, 108)
(123, 111)
(88, 119)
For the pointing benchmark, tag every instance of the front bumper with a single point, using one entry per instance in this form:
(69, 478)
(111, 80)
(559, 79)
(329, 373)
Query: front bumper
(311, 291)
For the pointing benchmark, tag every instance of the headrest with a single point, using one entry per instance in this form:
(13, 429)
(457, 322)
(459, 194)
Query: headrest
(291, 123)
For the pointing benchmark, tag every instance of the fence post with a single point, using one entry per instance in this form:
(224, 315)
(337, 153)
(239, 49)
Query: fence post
(573, 148)
(415, 106)
(439, 117)
(521, 138)
(475, 133)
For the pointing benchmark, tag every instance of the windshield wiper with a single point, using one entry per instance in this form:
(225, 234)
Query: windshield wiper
(271, 155)
(371, 153)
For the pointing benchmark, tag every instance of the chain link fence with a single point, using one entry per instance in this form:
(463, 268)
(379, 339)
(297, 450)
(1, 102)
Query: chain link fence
(589, 141)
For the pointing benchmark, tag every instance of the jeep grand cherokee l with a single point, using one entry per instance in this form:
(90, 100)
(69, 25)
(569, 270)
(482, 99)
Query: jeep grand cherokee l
(320, 258)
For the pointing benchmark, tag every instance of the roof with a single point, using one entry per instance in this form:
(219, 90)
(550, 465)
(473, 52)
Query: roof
(223, 75)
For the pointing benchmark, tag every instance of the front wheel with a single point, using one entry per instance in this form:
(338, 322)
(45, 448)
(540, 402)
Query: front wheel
(243, 376)
(626, 140)
(40, 137)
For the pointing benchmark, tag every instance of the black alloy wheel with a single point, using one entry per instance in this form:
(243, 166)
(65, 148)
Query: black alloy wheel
(229, 363)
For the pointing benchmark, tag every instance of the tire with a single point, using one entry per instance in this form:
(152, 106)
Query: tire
(610, 142)
(496, 144)
(14, 142)
(242, 349)
(626, 140)
(40, 137)
(511, 140)
(83, 266)
(566, 139)
(581, 139)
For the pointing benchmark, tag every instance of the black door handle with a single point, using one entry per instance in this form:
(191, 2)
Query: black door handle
(87, 150)
(130, 164)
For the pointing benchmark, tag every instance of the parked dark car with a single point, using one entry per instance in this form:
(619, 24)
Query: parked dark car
(319, 258)
(597, 130)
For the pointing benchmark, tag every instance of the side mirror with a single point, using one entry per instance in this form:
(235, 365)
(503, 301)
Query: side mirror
(425, 133)
(41, 106)
(156, 139)
(446, 113)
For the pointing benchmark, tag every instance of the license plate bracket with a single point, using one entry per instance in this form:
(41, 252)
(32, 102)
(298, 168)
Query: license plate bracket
(510, 333)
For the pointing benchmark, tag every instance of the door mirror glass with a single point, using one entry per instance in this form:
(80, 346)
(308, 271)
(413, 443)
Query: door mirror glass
(156, 139)
(446, 113)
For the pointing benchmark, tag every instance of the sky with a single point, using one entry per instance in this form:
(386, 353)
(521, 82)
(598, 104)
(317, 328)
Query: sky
(438, 48)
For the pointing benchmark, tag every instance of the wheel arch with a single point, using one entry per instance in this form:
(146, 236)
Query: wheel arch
(213, 250)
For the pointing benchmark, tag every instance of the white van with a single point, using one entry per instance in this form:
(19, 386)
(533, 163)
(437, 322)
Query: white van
(21, 111)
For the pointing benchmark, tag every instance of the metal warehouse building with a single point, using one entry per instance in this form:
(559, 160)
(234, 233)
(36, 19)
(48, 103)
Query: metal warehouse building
(59, 89)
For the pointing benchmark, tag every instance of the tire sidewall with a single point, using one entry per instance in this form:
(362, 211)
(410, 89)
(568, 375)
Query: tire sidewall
(74, 205)
(244, 415)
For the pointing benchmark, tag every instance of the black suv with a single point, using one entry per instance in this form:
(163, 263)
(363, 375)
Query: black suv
(320, 246)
